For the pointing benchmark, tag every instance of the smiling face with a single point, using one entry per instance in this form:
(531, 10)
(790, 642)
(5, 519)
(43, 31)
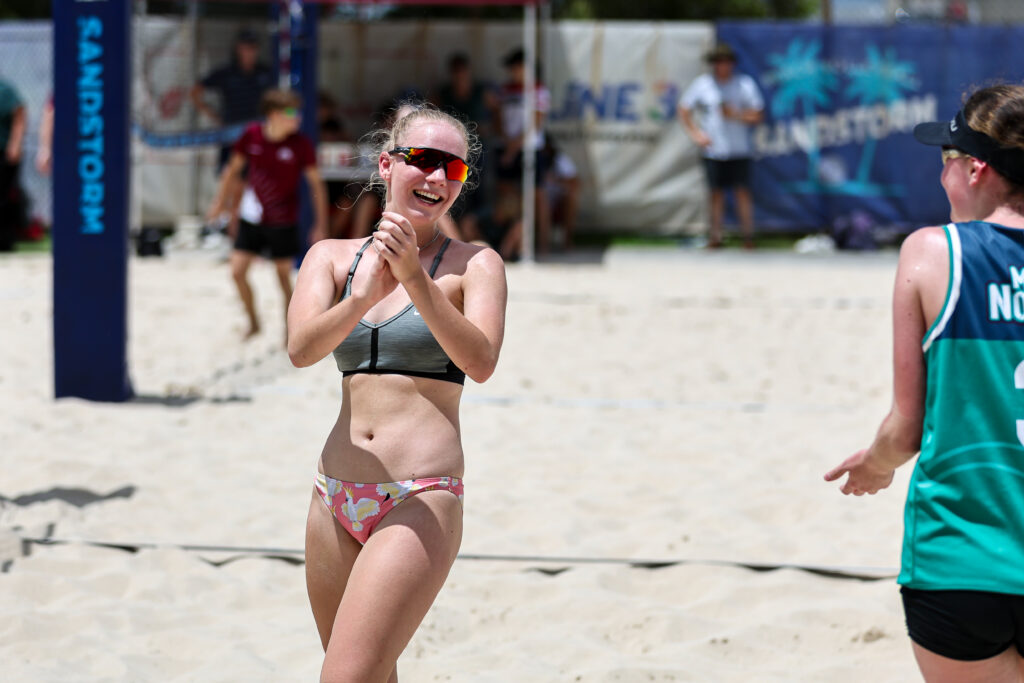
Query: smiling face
(423, 196)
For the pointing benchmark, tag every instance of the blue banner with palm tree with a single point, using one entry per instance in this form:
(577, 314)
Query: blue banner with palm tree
(841, 104)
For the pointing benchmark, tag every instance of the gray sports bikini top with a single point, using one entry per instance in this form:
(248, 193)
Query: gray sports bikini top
(400, 345)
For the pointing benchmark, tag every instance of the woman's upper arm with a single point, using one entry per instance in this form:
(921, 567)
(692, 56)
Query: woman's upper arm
(485, 293)
(314, 287)
(918, 296)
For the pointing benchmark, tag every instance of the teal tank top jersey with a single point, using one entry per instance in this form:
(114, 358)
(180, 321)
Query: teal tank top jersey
(964, 516)
(400, 345)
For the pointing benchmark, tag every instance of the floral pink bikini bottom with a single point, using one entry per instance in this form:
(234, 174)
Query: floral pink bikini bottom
(361, 507)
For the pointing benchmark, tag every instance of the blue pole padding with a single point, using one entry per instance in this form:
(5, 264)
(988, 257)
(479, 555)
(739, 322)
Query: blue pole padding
(304, 81)
(91, 189)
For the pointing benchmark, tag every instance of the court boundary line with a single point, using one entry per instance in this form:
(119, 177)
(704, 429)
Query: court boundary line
(297, 556)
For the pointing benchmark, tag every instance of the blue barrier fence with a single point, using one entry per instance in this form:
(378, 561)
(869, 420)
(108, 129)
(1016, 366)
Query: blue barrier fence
(192, 138)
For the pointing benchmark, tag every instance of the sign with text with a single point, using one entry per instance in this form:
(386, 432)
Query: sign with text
(92, 81)
(836, 146)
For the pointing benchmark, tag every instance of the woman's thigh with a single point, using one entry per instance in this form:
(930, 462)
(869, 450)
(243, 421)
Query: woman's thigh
(1006, 667)
(393, 583)
(330, 554)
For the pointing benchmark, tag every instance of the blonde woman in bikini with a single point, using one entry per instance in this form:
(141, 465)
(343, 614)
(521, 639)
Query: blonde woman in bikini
(408, 314)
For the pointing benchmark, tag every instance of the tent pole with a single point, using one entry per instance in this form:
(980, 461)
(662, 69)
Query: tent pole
(529, 130)
(193, 37)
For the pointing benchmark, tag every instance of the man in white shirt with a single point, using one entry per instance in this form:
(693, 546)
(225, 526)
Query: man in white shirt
(717, 111)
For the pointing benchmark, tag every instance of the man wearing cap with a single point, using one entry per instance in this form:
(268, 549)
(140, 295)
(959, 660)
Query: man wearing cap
(239, 85)
(718, 111)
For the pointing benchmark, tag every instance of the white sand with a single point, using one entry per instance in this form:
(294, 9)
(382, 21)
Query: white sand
(659, 406)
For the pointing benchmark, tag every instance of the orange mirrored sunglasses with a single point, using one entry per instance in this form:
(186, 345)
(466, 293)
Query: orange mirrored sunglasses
(427, 159)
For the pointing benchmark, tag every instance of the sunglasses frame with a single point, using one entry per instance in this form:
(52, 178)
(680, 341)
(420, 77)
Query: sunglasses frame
(950, 153)
(411, 155)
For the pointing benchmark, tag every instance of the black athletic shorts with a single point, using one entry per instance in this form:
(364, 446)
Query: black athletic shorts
(272, 241)
(964, 625)
(726, 173)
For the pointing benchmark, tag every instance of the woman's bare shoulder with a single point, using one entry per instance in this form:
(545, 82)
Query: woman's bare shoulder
(924, 265)
(928, 242)
(334, 251)
(475, 255)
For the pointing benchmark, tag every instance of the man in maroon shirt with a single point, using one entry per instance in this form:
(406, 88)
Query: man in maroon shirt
(278, 155)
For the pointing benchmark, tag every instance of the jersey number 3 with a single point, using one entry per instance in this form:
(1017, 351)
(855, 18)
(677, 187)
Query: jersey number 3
(1018, 382)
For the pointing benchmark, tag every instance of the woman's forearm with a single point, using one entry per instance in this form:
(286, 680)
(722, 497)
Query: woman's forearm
(466, 345)
(311, 340)
(897, 441)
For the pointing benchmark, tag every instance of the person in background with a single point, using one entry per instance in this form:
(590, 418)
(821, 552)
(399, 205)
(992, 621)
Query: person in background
(470, 101)
(508, 203)
(562, 187)
(238, 87)
(467, 99)
(328, 122)
(958, 369)
(13, 124)
(718, 111)
(342, 195)
(278, 156)
(44, 154)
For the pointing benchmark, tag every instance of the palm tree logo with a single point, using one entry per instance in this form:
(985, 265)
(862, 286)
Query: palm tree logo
(805, 79)
(881, 79)
(806, 82)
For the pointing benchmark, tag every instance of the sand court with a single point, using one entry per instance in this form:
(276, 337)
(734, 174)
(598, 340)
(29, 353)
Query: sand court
(659, 422)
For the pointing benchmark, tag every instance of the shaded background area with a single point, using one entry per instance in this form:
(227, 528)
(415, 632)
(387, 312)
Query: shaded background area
(834, 150)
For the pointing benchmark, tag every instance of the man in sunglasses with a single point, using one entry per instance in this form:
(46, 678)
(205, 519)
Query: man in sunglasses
(278, 156)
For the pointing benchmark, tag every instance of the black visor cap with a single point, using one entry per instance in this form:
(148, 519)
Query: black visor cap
(1008, 161)
(934, 133)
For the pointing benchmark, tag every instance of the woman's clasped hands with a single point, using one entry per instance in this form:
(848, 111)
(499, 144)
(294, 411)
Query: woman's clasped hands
(395, 242)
